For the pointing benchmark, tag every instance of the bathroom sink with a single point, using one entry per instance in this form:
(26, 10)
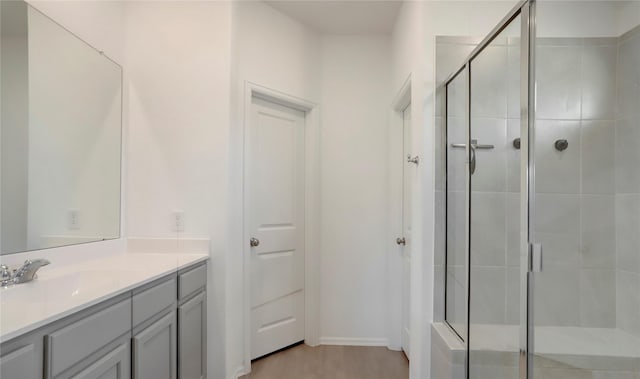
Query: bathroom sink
(66, 287)
(54, 294)
(79, 283)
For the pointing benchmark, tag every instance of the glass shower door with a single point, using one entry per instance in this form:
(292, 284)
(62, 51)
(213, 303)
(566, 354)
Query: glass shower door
(456, 282)
(494, 241)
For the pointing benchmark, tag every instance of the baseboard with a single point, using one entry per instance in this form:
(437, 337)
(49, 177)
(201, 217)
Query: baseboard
(345, 341)
(239, 372)
(395, 347)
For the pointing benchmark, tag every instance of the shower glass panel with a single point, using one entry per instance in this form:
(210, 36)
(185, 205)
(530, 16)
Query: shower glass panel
(456, 257)
(586, 204)
(495, 207)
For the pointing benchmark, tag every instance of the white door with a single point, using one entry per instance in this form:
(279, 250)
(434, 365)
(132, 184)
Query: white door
(407, 174)
(275, 225)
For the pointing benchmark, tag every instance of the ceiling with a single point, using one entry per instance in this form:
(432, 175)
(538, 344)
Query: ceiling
(342, 17)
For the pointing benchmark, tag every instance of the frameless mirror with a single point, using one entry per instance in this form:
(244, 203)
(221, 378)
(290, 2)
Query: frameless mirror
(60, 131)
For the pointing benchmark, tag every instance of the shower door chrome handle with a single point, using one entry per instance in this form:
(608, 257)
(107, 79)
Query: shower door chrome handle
(473, 147)
(535, 257)
(472, 159)
(478, 146)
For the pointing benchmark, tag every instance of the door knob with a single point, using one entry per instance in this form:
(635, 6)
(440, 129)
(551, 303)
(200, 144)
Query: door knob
(401, 241)
(253, 242)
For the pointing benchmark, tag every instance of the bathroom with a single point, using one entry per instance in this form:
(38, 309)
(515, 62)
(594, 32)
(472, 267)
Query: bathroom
(383, 204)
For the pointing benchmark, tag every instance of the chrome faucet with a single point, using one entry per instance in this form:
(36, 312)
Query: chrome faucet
(24, 274)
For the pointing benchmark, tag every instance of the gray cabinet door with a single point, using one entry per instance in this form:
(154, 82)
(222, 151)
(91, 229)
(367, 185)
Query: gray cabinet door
(23, 363)
(155, 350)
(114, 365)
(88, 334)
(192, 338)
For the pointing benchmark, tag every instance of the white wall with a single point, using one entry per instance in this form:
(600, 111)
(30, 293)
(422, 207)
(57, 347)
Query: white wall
(178, 68)
(178, 76)
(276, 51)
(408, 57)
(354, 177)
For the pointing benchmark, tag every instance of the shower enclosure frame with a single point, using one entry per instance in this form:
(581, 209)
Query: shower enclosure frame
(530, 252)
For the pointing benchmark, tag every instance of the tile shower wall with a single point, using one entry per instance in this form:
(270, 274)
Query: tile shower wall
(575, 197)
(495, 120)
(627, 183)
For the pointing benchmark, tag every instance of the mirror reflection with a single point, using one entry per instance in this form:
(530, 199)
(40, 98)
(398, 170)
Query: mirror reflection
(61, 104)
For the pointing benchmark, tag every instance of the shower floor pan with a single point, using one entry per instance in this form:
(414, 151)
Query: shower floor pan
(560, 353)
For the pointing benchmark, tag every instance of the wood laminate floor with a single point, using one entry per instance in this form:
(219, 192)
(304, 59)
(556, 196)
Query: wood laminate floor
(331, 362)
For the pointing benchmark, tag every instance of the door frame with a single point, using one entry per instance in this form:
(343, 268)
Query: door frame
(401, 100)
(311, 212)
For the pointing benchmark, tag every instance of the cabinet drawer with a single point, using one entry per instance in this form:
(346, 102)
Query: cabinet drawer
(191, 281)
(154, 300)
(74, 343)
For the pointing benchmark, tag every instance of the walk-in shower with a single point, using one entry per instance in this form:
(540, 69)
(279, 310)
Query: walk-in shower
(538, 196)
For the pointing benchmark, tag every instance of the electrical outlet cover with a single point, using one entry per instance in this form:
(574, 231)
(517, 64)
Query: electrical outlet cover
(73, 220)
(177, 221)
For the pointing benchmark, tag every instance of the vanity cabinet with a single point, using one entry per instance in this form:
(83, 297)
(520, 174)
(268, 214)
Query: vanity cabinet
(154, 350)
(115, 365)
(156, 331)
(86, 338)
(155, 342)
(192, 323)
(22, 358)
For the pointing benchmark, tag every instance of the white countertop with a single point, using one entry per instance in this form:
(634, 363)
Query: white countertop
(60, 291)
